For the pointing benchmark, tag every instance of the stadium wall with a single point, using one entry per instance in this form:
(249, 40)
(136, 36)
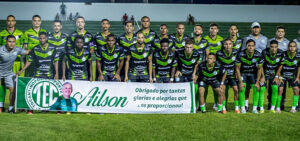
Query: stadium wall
(157, 12)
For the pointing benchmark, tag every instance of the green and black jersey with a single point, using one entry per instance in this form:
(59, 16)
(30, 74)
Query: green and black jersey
(138, 64)
(31, 37)
(199, 44)
(214, 45)
(249, 62)
(228, 61)
(210, 75)
(59, 42)
(43, 59)
(125, 41)
(77, 62)
(17, 33)
(100, 40)
(290, 65)
(271, 62)
(19, 39)
(186, 64)
(237, 44)
(163, 63)
(156, 43)
(88, 40)
(109, 59)
(149, 37)
(179, 42)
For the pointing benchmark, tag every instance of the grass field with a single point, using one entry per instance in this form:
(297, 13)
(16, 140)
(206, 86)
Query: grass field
(209, 126)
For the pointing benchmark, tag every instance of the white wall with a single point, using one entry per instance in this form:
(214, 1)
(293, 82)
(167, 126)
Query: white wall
(157, 12)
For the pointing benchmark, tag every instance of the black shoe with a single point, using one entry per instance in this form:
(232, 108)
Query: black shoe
(12, 111)
(282, 107)
(298, 109)
(247, 109)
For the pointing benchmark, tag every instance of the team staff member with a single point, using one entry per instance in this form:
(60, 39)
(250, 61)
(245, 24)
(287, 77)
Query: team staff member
(8, 55)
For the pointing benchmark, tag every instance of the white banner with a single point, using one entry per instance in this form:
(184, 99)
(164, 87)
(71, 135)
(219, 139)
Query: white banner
(105, 97)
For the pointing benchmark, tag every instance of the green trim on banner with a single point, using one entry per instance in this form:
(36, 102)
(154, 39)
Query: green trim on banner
(192, 97)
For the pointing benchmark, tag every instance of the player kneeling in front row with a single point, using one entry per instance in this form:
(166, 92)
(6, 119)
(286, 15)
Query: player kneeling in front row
(211, 72)
(290, 72)
(164, 63)
(110, 60)
(8, 55)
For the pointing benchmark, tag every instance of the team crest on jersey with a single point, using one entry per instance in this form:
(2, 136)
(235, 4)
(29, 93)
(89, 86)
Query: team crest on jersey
(215, 72)
(115, 55)
(263, 41)
(134, 42)
(83, 59)
(169, 61)
(63, 40)
(295, 62)
(277, 60)
(145, 54)
(201, 45)
(238, 46)
(49, 53)
(219, 43)
(253, 60)
(183, 43)
(86, 40)
(233, 58)
(193, 60)
(17, 37)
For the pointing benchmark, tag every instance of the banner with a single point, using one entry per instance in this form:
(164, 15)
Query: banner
(104, 97)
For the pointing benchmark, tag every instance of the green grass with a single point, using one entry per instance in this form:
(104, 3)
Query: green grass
(209, 126)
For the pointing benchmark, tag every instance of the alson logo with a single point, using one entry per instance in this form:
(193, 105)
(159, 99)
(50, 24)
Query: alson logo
(40, 94)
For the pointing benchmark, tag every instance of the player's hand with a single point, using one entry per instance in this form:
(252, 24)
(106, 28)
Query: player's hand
(297, 80)
(126, 79)
(19, 73)
(262, 80)
(64, 78)
(277, 81)
(101, 78)
(56, 77)
(150, 80)
(194, 78)
(241, 86)
(117, 76)
(257, 86)
(177, 74)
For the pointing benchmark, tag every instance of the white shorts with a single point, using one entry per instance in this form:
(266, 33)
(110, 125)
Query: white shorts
(9, 80)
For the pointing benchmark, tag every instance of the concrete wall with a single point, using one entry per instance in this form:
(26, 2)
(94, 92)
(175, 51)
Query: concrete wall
(157, 12)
